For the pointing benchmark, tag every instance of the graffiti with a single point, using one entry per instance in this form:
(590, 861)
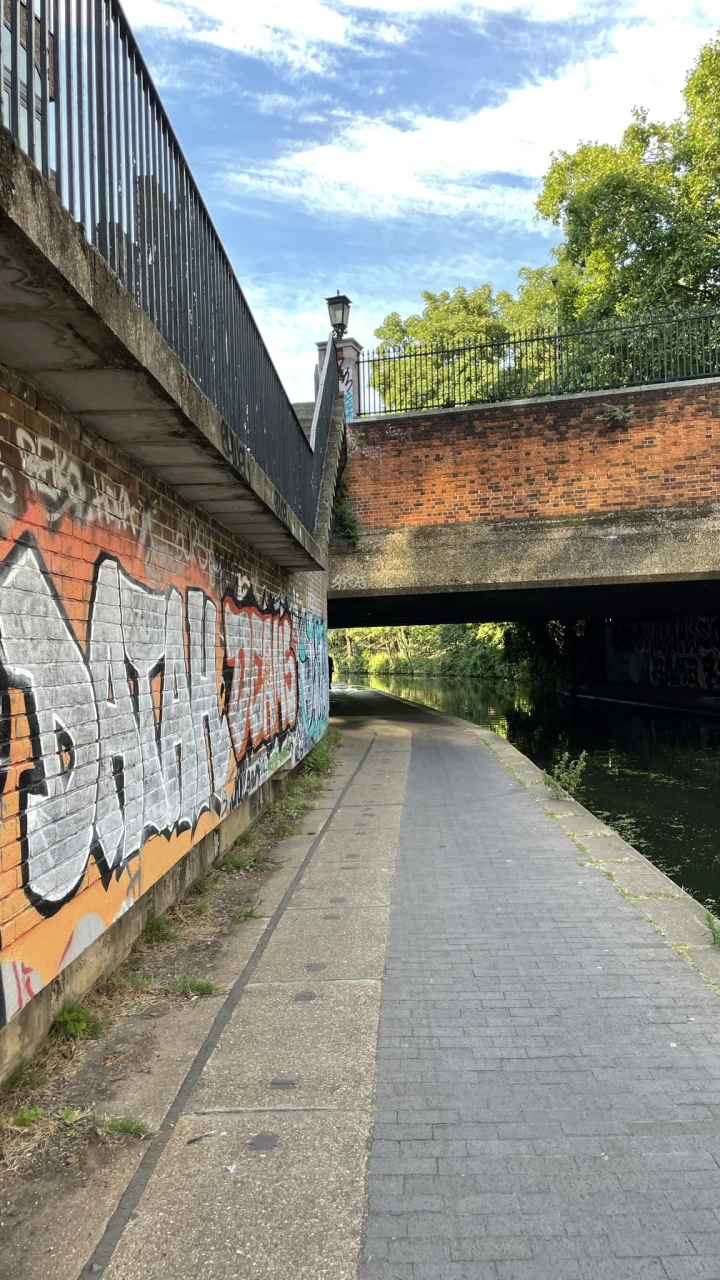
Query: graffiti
(313, 666)
(678, 653)
(65, 486)
(260, 649)
(143, 695)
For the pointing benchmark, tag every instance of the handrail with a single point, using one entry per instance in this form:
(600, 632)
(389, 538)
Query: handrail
(506, 365)
(327, 391)
(102, 137)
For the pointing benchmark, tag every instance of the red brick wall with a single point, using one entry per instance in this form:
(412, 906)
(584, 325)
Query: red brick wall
(154, 673)
(543, 459)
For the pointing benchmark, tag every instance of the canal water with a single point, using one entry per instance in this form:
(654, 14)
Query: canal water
(654, 776)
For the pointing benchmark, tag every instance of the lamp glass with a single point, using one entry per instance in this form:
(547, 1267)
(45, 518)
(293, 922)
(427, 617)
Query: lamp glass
(339, 312)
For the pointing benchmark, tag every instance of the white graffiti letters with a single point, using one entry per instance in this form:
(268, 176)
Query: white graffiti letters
(210, 727)
(120, 779)
(166, 716)
(41, 657)
(177, 740)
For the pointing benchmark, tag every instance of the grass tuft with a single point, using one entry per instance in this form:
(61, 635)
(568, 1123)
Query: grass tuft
(127, 1126)
(158, 929)
(77, 1022)
(202, 885)
(194, 987)
(129, 982)
(246, 913)
(26, 1078)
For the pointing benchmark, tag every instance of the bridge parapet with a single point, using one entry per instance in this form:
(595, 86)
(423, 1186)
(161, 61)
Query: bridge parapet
(538, 500)
(102, 139)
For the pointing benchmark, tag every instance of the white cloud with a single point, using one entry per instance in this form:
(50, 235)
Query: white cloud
(304, 34)
(378, 168)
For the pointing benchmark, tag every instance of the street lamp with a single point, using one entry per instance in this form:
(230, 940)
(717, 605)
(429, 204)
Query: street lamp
(339, 311)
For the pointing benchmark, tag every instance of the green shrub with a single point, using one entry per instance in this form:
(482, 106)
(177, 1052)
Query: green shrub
(566, 775)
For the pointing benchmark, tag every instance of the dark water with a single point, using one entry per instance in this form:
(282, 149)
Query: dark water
(652, 775)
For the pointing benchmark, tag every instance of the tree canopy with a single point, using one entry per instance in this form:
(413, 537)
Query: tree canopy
(640, 224)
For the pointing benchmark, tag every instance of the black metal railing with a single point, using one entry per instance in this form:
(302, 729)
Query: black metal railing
(94, 125)
(513, 366)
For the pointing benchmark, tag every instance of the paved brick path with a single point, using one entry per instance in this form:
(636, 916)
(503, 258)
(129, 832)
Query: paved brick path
(548, 1093)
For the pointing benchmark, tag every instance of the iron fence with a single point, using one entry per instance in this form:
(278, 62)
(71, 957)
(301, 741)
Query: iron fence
(78, 97)
(513, 366)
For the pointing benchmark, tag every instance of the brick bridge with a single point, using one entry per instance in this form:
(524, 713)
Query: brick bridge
(592, 505)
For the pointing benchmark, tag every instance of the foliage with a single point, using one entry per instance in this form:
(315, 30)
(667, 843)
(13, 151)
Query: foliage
(453, 369)
(566, 775)
(448, 649)
(641, 220)
(126, 1126)
(640, 224)
(158, 929)
(28, 1116)
(713, 925)
(77, 1022)
(343, 514)
(446, 320)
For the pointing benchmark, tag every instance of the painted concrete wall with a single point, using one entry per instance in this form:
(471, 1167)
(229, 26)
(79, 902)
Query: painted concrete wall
(154, 672)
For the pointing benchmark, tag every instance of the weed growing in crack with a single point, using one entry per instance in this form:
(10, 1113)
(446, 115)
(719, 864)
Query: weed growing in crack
(77, 1022)
(713, 925)
(246, 913)
(566, 775)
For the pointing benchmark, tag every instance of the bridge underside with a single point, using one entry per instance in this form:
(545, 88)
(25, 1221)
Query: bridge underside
(628, 565)
(604, 601)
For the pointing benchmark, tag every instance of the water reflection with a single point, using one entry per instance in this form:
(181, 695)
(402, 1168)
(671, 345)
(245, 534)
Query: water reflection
(652, 775)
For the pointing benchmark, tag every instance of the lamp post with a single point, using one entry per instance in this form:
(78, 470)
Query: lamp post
(339, 312)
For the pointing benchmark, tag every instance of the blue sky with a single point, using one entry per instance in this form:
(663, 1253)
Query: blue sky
(383, 147)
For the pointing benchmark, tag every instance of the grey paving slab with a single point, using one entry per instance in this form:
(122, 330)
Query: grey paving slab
(251, 1198)
(548, 1076)
(282, 1049)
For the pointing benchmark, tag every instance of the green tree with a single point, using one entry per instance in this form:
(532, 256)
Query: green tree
(462, 336)
(640, 223)
(641, 220)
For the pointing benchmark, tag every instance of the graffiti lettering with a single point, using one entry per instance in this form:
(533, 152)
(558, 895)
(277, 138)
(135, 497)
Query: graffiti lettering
(135, 740)
(680, 653)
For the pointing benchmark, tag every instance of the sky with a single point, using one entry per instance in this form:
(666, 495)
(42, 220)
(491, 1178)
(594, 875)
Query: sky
(384, 147)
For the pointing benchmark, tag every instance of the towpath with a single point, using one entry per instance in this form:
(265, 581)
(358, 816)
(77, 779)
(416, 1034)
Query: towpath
(472, 1041)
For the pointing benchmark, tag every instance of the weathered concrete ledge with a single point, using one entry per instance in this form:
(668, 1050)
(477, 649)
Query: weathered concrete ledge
(508, 565)
(68, 324)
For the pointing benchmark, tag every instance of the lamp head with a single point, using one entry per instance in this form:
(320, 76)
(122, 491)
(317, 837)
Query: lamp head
(339, 312)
